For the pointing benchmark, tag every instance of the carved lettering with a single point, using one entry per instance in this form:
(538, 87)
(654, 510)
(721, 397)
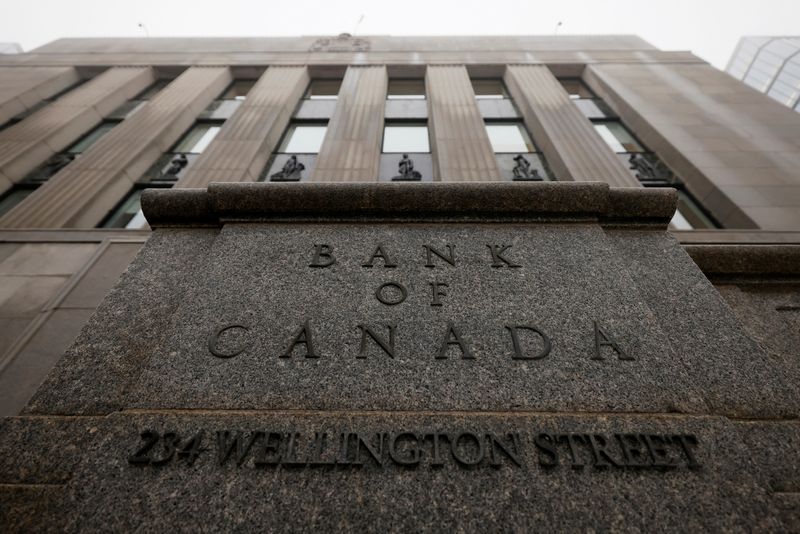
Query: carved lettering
(449, 257)
(453, 337)
(437, 293)
(383, 255)
(407, 448)
(386, 297)
(498, 260)
(519, 353)
(213, 340)
(303, 337)
(412, 452)
(236, 444)
(323, 256)
(548, 453)
(601, 339)
(387, 346)
(459, 453)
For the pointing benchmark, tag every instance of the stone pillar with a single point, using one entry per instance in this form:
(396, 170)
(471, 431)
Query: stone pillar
(83, 193)
(27, 144)
(567, 139)
(21, 88)
(244, 144)
(351, 150)
(460, 144)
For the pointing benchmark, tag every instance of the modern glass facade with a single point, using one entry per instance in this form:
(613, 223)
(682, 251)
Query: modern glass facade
(771, 65)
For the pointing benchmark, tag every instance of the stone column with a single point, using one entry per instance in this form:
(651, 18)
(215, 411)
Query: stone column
(21, 88)
(567, 139)
(351, 150)
(244, 144)
(460, 144)
(85, 191)
(27, 144)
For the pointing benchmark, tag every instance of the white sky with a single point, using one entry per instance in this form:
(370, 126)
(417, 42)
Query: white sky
(709, 28)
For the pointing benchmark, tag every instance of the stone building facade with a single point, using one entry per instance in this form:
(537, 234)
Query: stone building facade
(86, 125)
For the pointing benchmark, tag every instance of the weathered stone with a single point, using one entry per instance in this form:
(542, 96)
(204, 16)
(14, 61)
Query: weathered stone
(257, 488)
(382, 357)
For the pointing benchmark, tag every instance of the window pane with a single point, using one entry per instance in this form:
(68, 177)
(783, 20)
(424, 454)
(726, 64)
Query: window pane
(127, 109)
(238, 90)
(679, 222)
(13, 198)
(509, 138)
(691, 213)
(153, 90)
(576, 89)
(129, 214)
(303, 139)
(323, 89)
(617, 137)
(489, 89)
(197, 139)
(406, 90)
(90, 138)
(405, 139)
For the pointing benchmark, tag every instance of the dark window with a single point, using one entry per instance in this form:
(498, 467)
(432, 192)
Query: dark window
(400, 89)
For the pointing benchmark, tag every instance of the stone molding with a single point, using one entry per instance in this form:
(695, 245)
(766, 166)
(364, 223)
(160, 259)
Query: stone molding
(478, 202)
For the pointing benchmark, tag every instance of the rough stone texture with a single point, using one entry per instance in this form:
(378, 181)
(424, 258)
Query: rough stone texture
(746, 260)
(259, 276)
(145, 363)
(733, 370)
(131, 321)
(97, 489)
(771, 315)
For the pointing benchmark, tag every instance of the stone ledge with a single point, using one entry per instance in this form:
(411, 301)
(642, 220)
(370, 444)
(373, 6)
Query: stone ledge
(479, 202)
(746, 259)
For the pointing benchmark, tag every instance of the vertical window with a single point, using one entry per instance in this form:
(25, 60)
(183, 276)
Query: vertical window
(296, 153)
(406, 89)
(645, 165)
(52, 166)
(406, 152)
(19, 117)
(229, 101)
(515, 152)
(166, 171)
(131, 106)
(489, 89)
(517, 156)
(323, 89)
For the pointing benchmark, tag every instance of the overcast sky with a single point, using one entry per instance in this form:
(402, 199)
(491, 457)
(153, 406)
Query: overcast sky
(709, 28)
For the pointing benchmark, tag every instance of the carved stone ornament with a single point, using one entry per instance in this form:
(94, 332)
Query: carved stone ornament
(344, 42)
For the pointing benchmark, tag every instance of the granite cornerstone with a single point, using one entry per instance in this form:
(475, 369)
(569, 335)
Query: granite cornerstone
(430, 356)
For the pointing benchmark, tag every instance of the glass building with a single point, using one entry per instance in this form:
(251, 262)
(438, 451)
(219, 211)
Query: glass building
(770, 65)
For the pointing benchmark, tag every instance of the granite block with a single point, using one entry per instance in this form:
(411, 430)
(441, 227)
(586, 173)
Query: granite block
(736, 375)
(258, 288)
(124, 331)
(400, 472)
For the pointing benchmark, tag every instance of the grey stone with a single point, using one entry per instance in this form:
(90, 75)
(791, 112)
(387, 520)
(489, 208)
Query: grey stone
(737, 376)
(259, 276)
(746, 260)
(105, 492)
(122, 334)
